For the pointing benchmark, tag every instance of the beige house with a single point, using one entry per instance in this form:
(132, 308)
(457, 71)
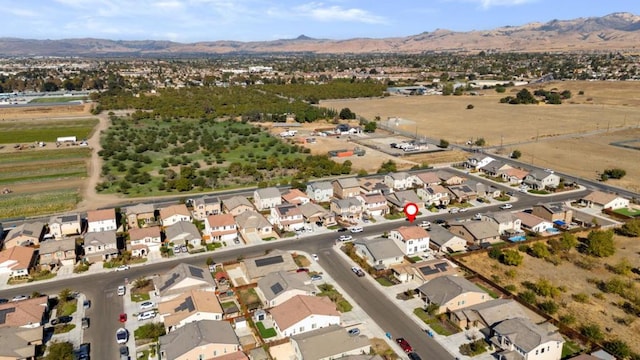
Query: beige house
(348, 209)
(29, 313)
(604, 200)
(64, 225)
(313, 344)
(182, 278)
(451, 293)
(174, 213)
(252, 223)
(314, 213)
(205, 206)
(374, 204)
(423, 271)
(100, 246)
(237, 205)
(476, 232)
(140, 215)
(17, 261)
(25, 234)
(190, 306)
(267, 198)
(302, 313)
(553, 212)
(295, 197)
(19, 343)
(54, 253)
(143, 240)
(205, 339)
(345, 188)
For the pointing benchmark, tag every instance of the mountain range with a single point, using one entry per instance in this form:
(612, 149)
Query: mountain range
(613, 32)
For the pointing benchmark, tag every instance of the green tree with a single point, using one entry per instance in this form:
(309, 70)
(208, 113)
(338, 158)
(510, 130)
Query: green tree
(618, 348)
(600, 243)
(540, 250)
(370, 127)
(614, 173)
(623, 267)
(528, 296)
(568, 241)
(512, 257)
(443, 143)
(60, 351)
(64, 295)
(387, 167)
(631, 228)
(346, 114)
(516, 154)
(500, 89)
(592, 331)
(447, 89)
(432, 309)
(480, 142)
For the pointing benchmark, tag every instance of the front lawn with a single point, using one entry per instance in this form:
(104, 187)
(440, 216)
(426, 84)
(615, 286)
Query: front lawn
(435, 324)
(138, 297)
(333, 294)
(67, 308)
(384, 281)
(569, 348)
(265, 333)
(61, 329)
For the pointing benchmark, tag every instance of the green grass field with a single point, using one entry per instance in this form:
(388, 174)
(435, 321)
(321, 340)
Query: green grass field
(37, 172)
(57, 99)
(48, 155)
(16, 205)
(47, 131)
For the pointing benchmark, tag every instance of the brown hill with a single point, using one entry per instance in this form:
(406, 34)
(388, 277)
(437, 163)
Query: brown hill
(614, 32)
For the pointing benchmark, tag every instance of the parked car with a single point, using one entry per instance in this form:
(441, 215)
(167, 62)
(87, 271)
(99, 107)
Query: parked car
(83, 351)
(122, 318)
(184, 249)
(122, 336)
(477, 216)
(147, 305)
(61, 320)
(356, 229)
(345, 238)
(146, 315)
(124, 351)
(506, 206)
(123, 268)
(176, 249)
(414, 356)
(314, 257)
(122, 290)
(3, 301)
(86, 304)
(454, 210)
(358, 271)
(404, 344)
(342, 229)
(440, 221)
(510, 193)
(425, 224)
(19, 298)
(354, 332)
(316, 277)
(464, 209)
(302, 270)
(85, 323)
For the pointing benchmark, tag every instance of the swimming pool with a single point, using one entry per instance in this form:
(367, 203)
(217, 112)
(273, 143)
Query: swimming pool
(517, 238)
(552, 231)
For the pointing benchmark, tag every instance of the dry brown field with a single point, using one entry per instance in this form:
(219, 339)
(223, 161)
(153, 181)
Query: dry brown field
(601, 311)
(44, 111)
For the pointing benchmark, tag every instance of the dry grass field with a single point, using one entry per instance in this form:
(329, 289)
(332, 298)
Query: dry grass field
(598, 309)
(34, 112)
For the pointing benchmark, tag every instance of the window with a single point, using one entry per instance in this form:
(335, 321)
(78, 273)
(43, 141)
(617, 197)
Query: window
(542, 351)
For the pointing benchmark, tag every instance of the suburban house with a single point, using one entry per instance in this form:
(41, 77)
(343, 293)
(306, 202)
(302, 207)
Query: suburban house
(443, 240)
(261, 266)
(25, 234)
(557, 213)
(604, 200)
(447, 178)
(28, 313)
(205, 206)
(237, 205)
(303, 313)
(100, 246)
(183, 233)
(295, 197)
(476, 232)
(429, 178)
(314, 213)
(523, 339)
(434, 195)
(173, 214)
(143, 240)
(267, 198)
(463, 192)
(65, 225)
(506, 221)
(410, 239)
(221, 227)
(514, 175)
(287, 217)
(487, 314)
(182, 278)
(205, 339)
(399, 180)
(477, 161)
(54, 253)
(19, 343)
(280, 286)
(495, 168)
(399, 199)
(484, 190)
(533, 223)
(451, 293)
(539, 180)
(345, 188)
(374, 204)
(252, 223)
(313, 344)
(190, 306)
(140, 215)
(423, 271)
(379, 253)
(17, 261)
(373, 186)
(320, 192)
(348, 209)
(101, 220)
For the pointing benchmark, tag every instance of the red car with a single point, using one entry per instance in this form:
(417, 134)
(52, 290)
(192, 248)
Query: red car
(123, 317)
(404, 345)
(302, 270)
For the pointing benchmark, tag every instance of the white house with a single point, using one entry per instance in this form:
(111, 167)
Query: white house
(410, 239)
(267, 198)
(287, 217)
(477, 161)
(526, 340)
(321, 191)
(380, 253)
(539, 180)
(174, 213)
(605, 200)
(374, 204)
(506, 221)
(101, 220)
(399, 180)
(144, 240)
(304, 313)
(221, 227)
(434, 194)
(533, 223)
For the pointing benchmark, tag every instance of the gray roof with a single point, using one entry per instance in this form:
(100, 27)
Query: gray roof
(276, 260)
(494, 311)
(439, 235)
(165, 282)
(479, 229)
(445, 288)
(252, 220)
(236, 201)
(501, 217)
(101, 237)
(140, 209)
(276, 283)
(399, 175)
(207, 199)
(65, 219)
(346, 203)
(494, 165)
(268, 193)
(321, 185)
(32, 229)
(400, 198)
(539, 174)
(195, 334)
(310, 209)
(182, 230)
(19, 343)
(381, 248)
(330, 341)
(554, 208)
(525, 334)
(350, 182)
(51, 246)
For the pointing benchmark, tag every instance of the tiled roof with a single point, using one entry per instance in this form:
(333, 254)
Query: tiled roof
(300, 307)
(101, 215)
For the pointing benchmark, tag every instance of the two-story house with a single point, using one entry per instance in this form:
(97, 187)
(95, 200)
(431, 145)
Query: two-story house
(302, 313)
(287, 217)
(373, 186)
(463, 192)
(236, 205)
(101, 220)
(427, 178)
(144, 240)
(345, 188)
(410, 239)
(267, 198)
(204, 339)
(221, 228)
(399, 199)
(434, 195)
(521, 338)
(25, 234)
(17, 261)
(374, 204)
(252, 223)
(506, 221)
(539, 180)
(348, 209)
(140, 215)
(557, 213)
(65, 225)
(183, 233)
(174, 213)
(399, 180)
(205, 206)
(314, 213)
(100, 246)
(295, 197)
(451, 293)
(54, 253)
(320, 192)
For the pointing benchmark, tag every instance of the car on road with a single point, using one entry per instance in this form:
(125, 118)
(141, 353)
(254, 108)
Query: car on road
(354, 332)
(123, 268)
(124, 351)
(122, 336)
(356, 229)
(356, 270)
(146, 315)
(147, 305)
(345, 238)
(506, 206)
(510, 193)
(454, 210)
(314, 257)
(122, 290)
(302, 270)
(464, 209)
(477, 216)
(549, 171)
(122, 318)
(342, 229)
(85, 322)
(425, 224)
(86, 304)
(19, 298)
(404, 344)
(3, 301)
(83, 351)
(414, 356)
(316, 277)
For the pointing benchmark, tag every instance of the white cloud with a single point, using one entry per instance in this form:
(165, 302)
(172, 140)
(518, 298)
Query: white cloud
(22, 12)
(486, 4)
(322, 12)
(169, 5)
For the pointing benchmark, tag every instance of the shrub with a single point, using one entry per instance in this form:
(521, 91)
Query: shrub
(631, 228)
(470, 106)
(600, 243)
(567, 319)
(495, 253)
(545, 288)
(540, 250)
(528, 296)
(592, 331)
(511, 273)
(151, 331)
(623, 267)
(511, 257)
(618, 348)
(510, 288)
(580, 297)
(549, 306)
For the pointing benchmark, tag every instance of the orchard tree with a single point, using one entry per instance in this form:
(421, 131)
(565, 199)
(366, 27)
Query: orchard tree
(346, 114)
(600, 243)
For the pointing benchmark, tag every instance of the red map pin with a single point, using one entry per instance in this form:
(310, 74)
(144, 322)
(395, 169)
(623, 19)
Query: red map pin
(411, 210)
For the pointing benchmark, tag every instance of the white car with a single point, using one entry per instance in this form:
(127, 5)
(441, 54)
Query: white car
(123, 268)
(121, 290)
(122, 335)
(147, 305)
(19, 298)
(506, 206)
(345, 238)
(314, 257)
(425, 224)
(356, 229)
(146, 315)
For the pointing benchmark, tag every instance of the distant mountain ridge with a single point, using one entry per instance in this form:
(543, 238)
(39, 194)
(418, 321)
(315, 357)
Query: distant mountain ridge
(617, 31)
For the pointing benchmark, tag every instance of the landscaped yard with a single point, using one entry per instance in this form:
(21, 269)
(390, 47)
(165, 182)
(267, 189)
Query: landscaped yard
(384, 281)
(265, 333)
(341, 303)
(249, 298)
(628, 212)
(440, 327)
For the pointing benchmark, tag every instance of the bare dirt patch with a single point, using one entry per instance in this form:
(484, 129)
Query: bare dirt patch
(34, 112)
(601, 311)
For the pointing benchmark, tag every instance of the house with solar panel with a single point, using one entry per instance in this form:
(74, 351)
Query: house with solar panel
(65, 225)
(26, 234)
(278, 287)
(261, 266)
(190, 306)
(182, 278)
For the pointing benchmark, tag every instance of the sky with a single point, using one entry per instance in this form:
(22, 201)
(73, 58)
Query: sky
(259, 20)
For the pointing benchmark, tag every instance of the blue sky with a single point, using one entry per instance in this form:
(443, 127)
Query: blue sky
(256, 20)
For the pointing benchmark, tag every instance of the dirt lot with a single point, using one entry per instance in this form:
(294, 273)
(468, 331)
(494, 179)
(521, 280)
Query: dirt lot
(34, 112)
(576, 280)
